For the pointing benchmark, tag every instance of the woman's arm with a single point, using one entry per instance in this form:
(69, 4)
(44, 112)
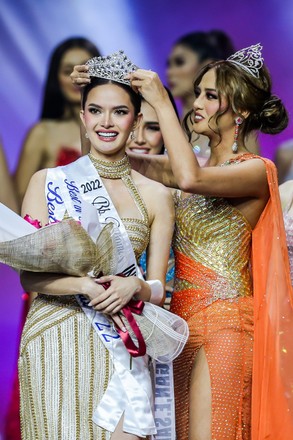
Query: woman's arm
(122, 290)
(31, 158)
(34, 204)
(58, 284)
(154, 166)
(247, 179)
(158, 251)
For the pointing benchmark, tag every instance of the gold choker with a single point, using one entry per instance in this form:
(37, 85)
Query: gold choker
(112, 170)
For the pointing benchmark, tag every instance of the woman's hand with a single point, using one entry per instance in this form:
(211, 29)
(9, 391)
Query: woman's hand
(94, 291)
(149, 85)
(119, 293)
(79, 76)
(90, 288)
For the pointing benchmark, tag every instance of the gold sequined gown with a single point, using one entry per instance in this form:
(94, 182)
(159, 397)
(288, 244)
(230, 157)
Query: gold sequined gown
(213, 292)
(64, 367)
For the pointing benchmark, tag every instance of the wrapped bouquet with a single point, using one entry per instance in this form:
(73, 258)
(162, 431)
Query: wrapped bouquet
(68, 247)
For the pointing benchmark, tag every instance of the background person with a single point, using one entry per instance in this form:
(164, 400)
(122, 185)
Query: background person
(55, 139)
(189, 54)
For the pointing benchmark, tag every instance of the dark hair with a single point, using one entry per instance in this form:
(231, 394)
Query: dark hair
(135, 98)
(222, 42)
(213, 45)
(54, 102)
(245, 93)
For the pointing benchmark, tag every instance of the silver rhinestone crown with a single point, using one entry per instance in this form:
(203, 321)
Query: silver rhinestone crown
(113, 67)
(249, 59)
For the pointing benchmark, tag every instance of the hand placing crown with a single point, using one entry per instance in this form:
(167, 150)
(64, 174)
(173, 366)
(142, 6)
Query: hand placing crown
(114, 67)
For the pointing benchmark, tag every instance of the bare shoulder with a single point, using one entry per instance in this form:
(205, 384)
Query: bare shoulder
(256, 162)
(253, 170)
(34, 141)
(37, 181)
(157, 197)
(40, 128)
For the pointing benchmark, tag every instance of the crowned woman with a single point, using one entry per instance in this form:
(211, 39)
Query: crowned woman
(233, 380)
(77, 379)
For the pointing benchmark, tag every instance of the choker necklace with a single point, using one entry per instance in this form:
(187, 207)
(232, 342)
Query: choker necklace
(111, 170)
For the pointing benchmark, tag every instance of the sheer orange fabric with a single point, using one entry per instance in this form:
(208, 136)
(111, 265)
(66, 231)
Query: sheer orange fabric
(213, 292)
(272, 389)
(225, 330)
(216, 300)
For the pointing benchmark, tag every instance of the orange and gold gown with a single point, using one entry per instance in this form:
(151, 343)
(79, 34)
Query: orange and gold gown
(213, 243)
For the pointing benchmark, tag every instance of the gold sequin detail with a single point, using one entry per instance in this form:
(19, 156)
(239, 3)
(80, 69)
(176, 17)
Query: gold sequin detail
(63, 360)
(112, 170)
(213, 292)
(138, 229)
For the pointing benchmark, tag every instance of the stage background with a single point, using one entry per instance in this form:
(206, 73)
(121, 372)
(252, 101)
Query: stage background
(29, 30)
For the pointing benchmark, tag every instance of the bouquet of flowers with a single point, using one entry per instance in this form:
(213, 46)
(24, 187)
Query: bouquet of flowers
(73, 248)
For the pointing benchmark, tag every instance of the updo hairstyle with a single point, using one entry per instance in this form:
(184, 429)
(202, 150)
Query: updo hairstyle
(244, 94)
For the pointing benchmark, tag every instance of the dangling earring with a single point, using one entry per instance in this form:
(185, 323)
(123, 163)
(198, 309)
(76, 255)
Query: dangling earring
(132, 137)
(86, 135)
(238, 121)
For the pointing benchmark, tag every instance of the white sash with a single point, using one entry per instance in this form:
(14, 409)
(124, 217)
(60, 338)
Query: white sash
(129, 391)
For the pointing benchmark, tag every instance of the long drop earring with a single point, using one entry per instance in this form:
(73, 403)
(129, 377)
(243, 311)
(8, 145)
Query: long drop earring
(86, 135)
(238, 121)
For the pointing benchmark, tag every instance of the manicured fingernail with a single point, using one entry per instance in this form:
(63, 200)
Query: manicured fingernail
(124, 329)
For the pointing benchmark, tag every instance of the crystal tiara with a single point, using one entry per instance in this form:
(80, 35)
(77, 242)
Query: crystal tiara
(250, 59)
(113, 67)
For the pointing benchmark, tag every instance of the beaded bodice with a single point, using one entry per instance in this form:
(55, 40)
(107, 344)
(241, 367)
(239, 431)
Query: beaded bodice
(138, 229)
(214, 235)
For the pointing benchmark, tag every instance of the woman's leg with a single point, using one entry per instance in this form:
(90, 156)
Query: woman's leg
(220, 384)
(118, 434)
(200, 399)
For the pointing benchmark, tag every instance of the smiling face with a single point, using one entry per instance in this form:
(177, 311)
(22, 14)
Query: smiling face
(108, 117)
(206, 105)
(71, 58)
(182, 67)
(147, 138)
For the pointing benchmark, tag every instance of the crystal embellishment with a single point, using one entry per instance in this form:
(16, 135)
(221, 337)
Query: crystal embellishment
(249, 59)
(113, 67)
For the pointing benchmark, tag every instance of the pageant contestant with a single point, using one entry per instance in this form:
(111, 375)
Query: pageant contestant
(53, 140)
(70, 372)
(234, 377)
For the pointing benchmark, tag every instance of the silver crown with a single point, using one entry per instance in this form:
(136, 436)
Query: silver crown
(113, 67)
(249, 59)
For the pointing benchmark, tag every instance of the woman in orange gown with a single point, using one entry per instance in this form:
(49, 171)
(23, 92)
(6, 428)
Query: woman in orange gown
(234, 379)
